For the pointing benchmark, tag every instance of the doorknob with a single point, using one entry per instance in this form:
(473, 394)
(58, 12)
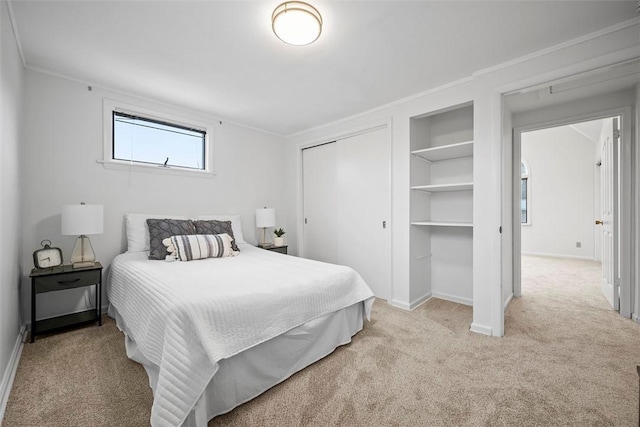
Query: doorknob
(599, 222)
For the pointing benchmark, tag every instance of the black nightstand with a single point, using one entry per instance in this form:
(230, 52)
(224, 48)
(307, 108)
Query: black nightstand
(278, 249)
(58, 279)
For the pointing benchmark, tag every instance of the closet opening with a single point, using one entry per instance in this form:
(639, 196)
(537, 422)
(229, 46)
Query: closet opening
(346, 204)
(441, 205)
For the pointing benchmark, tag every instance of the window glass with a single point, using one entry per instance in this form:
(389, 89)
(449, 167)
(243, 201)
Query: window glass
(145, 140)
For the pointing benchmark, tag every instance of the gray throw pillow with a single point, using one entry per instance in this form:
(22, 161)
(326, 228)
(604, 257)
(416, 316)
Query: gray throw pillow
(160, 229)
(212, 226)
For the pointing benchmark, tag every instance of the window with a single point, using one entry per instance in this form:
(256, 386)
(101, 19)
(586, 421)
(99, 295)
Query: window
(524, 194)
(148, 141)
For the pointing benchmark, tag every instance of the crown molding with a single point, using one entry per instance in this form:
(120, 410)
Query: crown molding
(556, 48)
(14, 27)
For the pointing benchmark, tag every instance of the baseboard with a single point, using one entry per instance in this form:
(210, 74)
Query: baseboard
(400, 304)
(586, 258)
(419, 301)
(413, 304)
(10, 372)
(507, 302)
(481, 329)
(452, 298)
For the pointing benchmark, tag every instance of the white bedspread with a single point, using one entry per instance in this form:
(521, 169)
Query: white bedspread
(187, 316)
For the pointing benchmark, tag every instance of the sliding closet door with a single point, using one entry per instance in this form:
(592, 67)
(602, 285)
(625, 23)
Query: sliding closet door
(319, 173)
(364, 241)
(347, 206)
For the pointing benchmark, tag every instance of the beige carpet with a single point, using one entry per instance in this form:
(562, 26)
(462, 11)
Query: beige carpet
(567, 359)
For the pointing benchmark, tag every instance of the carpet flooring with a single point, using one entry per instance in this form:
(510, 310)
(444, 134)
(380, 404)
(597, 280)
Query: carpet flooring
(566, 359)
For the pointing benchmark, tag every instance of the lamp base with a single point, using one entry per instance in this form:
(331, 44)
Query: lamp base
(83, 264)
(83, 255)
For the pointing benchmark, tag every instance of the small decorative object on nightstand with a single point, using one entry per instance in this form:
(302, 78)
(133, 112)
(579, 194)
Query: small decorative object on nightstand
(58, 279)
(278, 249)
(47, 257)
(278, 240)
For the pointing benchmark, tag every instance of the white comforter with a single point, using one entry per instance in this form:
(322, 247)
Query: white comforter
(187, 316)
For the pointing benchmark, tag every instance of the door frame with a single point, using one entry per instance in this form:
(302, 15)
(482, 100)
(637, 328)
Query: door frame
(625, 204)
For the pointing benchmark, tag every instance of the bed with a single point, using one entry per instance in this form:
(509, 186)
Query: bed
(215, 333)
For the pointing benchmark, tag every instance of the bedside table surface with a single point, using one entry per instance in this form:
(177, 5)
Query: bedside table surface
(62, 269)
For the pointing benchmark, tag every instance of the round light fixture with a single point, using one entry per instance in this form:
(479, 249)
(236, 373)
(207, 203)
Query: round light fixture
(296, 23)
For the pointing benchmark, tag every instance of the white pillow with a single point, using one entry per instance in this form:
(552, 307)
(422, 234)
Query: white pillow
(138, 231)
(236, 224)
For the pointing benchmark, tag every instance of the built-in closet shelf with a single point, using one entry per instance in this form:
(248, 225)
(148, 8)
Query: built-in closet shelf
(446, 152)
(466, 186)
(443, 223)
(441, 159)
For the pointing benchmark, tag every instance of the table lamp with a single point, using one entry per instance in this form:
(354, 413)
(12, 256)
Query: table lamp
(265, 217)
(81, 220)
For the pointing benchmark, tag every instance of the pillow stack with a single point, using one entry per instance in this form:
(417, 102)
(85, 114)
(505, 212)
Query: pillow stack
(209, 239)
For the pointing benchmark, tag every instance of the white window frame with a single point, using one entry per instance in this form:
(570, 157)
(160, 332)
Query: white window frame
(110, 106)
(528, 177)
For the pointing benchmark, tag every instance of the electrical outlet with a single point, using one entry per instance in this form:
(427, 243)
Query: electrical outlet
(578, 244)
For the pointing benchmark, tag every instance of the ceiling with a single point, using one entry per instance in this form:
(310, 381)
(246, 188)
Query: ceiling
(590, 129)
(221, 57)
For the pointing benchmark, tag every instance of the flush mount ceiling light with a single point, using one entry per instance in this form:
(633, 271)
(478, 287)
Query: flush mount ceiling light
(296, 23)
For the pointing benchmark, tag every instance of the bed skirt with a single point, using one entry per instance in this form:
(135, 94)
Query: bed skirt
(253, 371)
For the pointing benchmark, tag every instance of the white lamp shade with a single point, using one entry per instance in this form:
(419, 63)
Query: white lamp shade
(82, 219)
(265, 217)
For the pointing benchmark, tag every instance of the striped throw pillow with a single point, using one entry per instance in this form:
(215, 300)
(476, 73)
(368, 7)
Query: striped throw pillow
(200, 246)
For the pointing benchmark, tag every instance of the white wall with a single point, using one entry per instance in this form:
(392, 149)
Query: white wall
(11, 92)
(561, 193)
(62, 143)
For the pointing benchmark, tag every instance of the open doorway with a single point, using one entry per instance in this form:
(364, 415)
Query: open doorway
(603, 93)
(568, 208)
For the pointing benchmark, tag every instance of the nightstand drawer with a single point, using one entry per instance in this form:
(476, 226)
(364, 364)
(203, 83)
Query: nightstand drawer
(66, 281)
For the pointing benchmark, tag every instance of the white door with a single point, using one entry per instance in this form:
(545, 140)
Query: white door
(320, 202)
(347, 205)
(364, 211)
(609, 212)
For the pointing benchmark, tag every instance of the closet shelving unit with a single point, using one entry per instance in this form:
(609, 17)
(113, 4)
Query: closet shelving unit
(442, 203)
